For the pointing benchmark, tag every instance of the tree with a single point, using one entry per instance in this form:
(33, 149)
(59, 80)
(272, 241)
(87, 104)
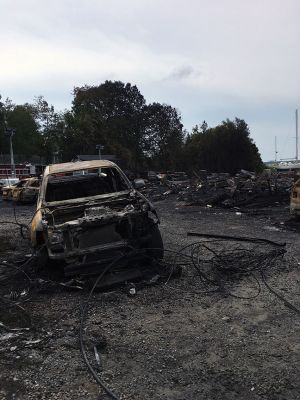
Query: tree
(163, 139)
(109, 114)
(26, 141)
(38, 129)
(5, 108)
(50, 126)
(225, 148)
(115, 115)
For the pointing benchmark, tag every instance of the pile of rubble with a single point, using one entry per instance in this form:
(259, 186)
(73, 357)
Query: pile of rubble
(245, 189)
(156, 190)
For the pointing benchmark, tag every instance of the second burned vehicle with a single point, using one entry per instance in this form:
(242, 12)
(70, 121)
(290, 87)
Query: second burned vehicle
(88, 213)
(295, 200)
(26, 191)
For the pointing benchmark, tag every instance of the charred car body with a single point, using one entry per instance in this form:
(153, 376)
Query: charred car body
(26, 191)
(89, 213)
(6, 186)
(295, 200)
(7, 192)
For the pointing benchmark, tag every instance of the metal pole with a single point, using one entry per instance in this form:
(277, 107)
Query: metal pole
(99, 147)
(12, 162)
(55, 157)
(296, 134)
(276, 148)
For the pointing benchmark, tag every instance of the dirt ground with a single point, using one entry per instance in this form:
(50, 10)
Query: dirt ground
(167, 341)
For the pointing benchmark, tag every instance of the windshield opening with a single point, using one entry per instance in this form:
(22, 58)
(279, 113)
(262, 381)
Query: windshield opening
(84, 183)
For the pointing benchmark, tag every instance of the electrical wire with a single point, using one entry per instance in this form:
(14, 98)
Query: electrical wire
(82, 330)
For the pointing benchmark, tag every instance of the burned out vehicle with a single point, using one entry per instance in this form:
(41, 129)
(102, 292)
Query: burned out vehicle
(295, 200)
(7, 192)
(88, 213)
(26, 191)
(6, 186)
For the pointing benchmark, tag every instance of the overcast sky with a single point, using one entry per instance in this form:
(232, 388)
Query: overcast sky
(211, 59)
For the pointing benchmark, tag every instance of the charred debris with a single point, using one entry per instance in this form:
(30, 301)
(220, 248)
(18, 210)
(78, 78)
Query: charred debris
(245, 189)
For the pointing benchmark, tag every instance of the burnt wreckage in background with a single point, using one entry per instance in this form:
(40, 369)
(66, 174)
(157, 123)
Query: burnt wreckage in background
(88, 213)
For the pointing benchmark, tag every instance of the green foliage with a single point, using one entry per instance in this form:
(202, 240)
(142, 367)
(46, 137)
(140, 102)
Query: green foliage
(116, 116)
(225, 148)
(110, 115)
(50, 126)
(26, 140)
(163, 136)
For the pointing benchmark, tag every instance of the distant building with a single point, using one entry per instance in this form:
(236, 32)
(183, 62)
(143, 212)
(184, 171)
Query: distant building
(22, 170)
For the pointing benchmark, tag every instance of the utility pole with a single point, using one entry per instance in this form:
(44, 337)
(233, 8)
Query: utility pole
(55, 155)
(10, 133)
(276, 152)
(297, 135)
(99, 147)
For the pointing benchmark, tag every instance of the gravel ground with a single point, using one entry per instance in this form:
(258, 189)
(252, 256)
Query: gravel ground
(167, 342)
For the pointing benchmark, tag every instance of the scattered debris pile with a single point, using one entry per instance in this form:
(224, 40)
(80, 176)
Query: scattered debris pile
(245, 189)
(156, 190)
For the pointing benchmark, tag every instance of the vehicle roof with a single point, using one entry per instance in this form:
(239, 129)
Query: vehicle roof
(28, 179)
(78, 165)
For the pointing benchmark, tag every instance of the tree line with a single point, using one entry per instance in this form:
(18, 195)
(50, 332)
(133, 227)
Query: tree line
(143, 136)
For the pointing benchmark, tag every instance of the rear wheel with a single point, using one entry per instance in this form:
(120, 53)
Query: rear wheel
(48, 268)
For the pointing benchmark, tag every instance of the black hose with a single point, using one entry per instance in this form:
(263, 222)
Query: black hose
(82, 323)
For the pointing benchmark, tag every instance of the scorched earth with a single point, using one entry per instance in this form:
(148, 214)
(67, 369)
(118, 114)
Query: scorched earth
(180, 338)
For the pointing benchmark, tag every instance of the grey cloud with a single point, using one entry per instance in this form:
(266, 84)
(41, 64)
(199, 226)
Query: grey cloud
(184, 72)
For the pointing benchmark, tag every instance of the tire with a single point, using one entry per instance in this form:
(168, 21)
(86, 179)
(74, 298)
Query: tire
(155, 244)
(50, 269)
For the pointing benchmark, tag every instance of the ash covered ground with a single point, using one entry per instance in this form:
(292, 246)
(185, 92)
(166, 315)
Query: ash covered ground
(167, 341)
